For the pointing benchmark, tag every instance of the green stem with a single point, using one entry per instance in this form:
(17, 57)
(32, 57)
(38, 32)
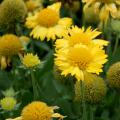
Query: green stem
(84, 117)
(35, 91)
(91, 113)
(116, 44)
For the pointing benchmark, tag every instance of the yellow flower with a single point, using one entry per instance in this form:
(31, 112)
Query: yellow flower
(10, 45)
(38, 111)
(8, 103)
(107, 8)
(33, 5)
(94, 89)
(30, 60)
(80, 58)
(47, 23)
(78, 35)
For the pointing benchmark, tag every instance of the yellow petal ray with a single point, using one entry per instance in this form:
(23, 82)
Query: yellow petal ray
(55, 6)
(31, 21)
(65, 22)
(39, 32)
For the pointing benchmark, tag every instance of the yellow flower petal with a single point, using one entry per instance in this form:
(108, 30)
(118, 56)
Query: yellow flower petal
(55, 6)
(39, 32)
(66, 22)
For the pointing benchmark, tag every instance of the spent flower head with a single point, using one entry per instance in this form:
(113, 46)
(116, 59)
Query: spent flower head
(94, 89)
(106, 8)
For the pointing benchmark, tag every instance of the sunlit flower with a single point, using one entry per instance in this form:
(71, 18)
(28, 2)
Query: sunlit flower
(47, 23)
(94, 89)
(78, 35)
(107, 8)
(8, 103)
(80, 58)
(38, 111)
(30, 60)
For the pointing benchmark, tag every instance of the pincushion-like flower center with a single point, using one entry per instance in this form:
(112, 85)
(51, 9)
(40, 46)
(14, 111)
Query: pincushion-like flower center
(79, 38)
(80, 57)
(36, 111)
(47, 17)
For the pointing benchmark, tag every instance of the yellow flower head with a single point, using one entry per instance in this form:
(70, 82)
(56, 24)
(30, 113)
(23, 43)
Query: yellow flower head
(75, 60)
(106, 8)
(33, 5)
(39, 111)
(44, 26)
(8, 103)
(30, 60)
(10, 45)
(94, 89)
(81, 36)
(113, 76)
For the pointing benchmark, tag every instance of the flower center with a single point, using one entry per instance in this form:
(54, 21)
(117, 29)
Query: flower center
(80, 57)
(79, 38)
(48, 17)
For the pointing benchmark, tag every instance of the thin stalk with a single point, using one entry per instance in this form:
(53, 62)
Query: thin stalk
(91, 112)
(84, 117)
(35, 91)
(116, 44)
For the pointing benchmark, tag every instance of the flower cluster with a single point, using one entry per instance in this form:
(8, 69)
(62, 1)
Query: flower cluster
(79, 51)
(106, 8)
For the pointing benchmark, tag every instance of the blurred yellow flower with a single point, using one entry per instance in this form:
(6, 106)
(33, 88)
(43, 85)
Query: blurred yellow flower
(38, 111)
(78, 35)
(107, 8)
(30, 60)
(75, 60)
(47, 23)
(10, 45)
(32, 5)
(8, 103)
